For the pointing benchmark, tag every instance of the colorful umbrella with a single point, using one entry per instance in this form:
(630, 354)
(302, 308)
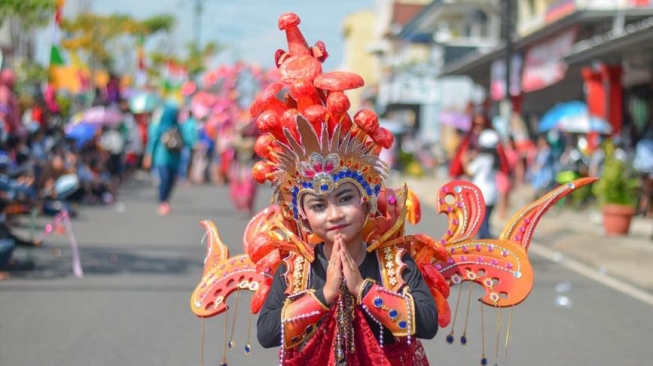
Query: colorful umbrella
(573, 117)
(102, 116)
(144, 102)
(552, 117)
(81, 133)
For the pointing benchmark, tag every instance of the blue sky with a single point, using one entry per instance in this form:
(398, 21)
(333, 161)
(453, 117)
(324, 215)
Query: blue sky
(247, 27)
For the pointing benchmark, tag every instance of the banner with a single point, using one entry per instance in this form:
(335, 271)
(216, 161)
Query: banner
(498, 77)
(543, 63)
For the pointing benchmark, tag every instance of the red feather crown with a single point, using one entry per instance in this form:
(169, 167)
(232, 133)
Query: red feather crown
(309, 141)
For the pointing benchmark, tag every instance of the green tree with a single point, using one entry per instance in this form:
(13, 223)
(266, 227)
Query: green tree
(20, 17)
(196, 58)
(94, 33)
(31, 13)
(157, 24)
(194, 61)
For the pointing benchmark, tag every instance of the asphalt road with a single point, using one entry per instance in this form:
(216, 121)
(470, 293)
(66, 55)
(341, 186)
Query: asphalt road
(132, 306)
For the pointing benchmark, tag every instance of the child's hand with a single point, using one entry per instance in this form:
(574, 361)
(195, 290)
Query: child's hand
(334, 273)
(350, 270)
(37, 242)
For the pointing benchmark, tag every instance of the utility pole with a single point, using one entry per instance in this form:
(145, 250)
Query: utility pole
(198, 24)
(507, 22)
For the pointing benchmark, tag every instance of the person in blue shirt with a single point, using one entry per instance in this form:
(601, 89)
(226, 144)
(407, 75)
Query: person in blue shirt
(162, 157)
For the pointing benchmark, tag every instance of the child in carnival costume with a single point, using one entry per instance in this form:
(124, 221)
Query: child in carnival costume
(333, 274)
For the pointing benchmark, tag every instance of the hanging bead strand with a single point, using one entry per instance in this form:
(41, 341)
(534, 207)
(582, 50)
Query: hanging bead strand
(483, 357)
(450, 336)
(233, 323)
(248, 347)
(223, 362)
(463, 338)
(508, 330)
(496, 351)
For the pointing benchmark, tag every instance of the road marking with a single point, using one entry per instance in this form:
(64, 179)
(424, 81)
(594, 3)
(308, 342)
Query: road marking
(593, 274)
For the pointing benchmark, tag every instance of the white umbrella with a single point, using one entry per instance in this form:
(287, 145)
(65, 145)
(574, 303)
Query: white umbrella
(584, 123)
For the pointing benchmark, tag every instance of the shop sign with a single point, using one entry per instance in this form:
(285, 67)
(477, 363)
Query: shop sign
(498, 77)
(559, 10)
(544, 64)
(640, 3)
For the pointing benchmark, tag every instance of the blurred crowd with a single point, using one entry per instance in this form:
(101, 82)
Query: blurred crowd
(498, 163)
(51, 161)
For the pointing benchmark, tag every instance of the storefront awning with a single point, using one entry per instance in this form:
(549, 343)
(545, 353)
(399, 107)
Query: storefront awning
(612, 47)
(477, 65)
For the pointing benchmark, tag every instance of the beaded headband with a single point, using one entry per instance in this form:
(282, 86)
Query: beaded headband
(310, 144)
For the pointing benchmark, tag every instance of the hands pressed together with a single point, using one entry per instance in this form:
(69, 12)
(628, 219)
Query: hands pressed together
(341, 265)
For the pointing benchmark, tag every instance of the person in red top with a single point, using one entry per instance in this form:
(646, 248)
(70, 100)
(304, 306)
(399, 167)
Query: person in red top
(470, 142)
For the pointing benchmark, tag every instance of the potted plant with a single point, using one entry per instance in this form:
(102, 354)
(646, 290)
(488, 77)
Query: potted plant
(616, 192)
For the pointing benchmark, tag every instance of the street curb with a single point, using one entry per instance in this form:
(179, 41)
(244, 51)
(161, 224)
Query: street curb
(590, 271)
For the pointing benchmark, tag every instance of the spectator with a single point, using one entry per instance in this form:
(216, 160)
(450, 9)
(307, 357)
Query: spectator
(163, 152)
(470, 143)
(113, 143)
(482, 166)
(8, 242)
(543, 168)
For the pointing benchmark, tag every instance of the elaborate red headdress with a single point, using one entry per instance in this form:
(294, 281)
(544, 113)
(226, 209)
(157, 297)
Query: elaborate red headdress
(310, 143)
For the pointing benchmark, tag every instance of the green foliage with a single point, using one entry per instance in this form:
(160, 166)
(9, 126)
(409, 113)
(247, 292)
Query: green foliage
(93, 33)
(616, 184)
(194, 62)
(64, 103)
(29, 75)
(405, 158)
(156, 24)
(30, 12)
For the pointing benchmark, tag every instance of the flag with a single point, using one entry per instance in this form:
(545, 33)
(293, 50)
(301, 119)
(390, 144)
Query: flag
(56, 59)
(141, 54)
(174, 76)
(57, 67)
(141, 66)
(72, 76)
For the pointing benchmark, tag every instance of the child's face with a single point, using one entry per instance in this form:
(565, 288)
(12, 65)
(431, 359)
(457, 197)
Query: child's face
(340, 212)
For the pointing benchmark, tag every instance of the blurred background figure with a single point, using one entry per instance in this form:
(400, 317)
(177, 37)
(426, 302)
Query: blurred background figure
(112, 143)
(8, 243)
(190, 128)
(9, 107)
(643, 166)
(543, 169)
(241, 182)
(470, 144)
(482, 165)
(163, 153)
(505, 181)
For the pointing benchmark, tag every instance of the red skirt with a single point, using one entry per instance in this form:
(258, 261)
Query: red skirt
(368, 352)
